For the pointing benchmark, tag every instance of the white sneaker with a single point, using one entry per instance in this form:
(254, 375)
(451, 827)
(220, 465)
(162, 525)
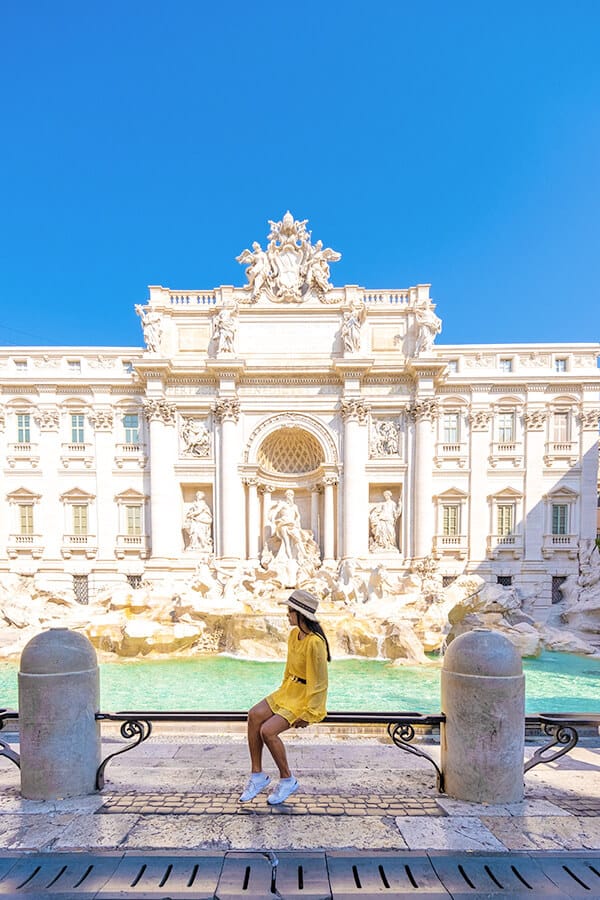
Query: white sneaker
(283, 790)
(257, 782)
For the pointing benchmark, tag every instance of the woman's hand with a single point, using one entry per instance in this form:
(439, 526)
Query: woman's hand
(300, 723)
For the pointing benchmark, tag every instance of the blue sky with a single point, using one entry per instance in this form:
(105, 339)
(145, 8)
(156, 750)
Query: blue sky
(149, 142)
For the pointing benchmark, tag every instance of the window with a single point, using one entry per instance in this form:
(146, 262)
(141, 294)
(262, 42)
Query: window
(77, 429)
(80, 588)
(506, 427)
(505, 518)
(23, 428)
(127, 366)
(21, 365)
(25, 518)
(132, 429)
(561, 427)
(557, 581)
(80, 518)
(451, 428)
(74, 365)
(450, 520)
(504, 580)
(560, 365)
(447, 580)
(134, 520)
(452, 366)
(506, 365)
(560, 518)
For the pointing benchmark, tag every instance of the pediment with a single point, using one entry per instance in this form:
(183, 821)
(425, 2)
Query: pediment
(452, 493)
(507, 493)
(76, 495)
(130, 496)
(561, 493)
(22, 495)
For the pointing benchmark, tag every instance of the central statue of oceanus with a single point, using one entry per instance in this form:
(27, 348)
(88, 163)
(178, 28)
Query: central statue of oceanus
(291, 269)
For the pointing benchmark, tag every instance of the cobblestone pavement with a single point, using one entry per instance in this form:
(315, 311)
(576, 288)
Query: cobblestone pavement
(179, 792)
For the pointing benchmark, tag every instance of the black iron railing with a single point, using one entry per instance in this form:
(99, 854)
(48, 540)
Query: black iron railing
(402, 727)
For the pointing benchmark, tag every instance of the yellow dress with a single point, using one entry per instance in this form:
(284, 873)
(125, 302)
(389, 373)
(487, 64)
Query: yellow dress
(306, 659)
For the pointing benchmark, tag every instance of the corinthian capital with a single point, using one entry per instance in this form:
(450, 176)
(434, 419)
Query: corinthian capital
(101, 419)
(479, 419)
(355, 411)
(535, 419)
(227, 409)
(159, 411)
(47, 419)
(588, 419)
(424, 410)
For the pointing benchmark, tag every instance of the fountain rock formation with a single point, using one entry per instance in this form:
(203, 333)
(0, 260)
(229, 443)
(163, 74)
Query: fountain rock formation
(366, 612)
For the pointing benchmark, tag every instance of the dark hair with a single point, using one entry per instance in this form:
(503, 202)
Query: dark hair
(313, 625)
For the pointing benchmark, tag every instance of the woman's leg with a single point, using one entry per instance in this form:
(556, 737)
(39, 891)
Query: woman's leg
(269, 732)
(256, 717)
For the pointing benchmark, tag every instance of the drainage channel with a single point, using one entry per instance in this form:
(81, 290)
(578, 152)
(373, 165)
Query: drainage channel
(314, 875)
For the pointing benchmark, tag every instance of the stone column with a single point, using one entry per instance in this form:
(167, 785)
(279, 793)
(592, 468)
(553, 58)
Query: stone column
(253, 519)
(106, 524)
(47, 420)
(230, 497)
(532, 528)
(355, 500)
(588, 424)
(328, 518)
(423, 413)
(314, 514)
(479, 451)
(165, 504)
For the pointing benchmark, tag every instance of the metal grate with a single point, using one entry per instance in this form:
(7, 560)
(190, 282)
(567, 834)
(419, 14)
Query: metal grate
(80, 587)
(557, 581)
(341, 875)
(135, 581)
(385, 874)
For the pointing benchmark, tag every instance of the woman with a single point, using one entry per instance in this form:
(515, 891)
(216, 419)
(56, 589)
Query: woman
(299, 702)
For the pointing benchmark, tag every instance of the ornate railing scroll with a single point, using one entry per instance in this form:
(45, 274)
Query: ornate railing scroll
(140, 729)
(5, 749)
(402, 732)
(562, 728)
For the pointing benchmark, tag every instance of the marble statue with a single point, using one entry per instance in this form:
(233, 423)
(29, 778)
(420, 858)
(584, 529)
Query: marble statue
(428, 327)
(382, 523)
(225, 329)
(291, 269)
(198, 524)
(350, 331)
(286, 524)
(151, 322)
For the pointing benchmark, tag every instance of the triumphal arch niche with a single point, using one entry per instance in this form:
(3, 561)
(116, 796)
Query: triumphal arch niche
(303, 416)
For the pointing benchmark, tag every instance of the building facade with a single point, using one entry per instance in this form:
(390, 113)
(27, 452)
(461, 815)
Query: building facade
(290, 424)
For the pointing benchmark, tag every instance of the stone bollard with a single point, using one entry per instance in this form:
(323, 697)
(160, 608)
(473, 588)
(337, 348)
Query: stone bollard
(483, 699)
(59, 693)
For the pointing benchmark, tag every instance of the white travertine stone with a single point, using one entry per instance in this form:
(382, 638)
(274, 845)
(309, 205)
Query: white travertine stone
(59, 693)
(483, 738)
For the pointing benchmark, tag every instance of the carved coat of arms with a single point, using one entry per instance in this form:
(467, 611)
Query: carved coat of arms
(291, 269)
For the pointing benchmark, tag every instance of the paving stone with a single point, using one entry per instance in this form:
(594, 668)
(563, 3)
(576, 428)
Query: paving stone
(546, 832)
(456, 833)
(524, 808)
(32, 832)
(88, 832)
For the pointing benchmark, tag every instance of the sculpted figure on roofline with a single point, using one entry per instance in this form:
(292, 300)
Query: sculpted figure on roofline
(291, 269)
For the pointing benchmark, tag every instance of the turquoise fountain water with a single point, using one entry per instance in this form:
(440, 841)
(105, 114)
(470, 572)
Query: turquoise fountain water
(555, 682)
